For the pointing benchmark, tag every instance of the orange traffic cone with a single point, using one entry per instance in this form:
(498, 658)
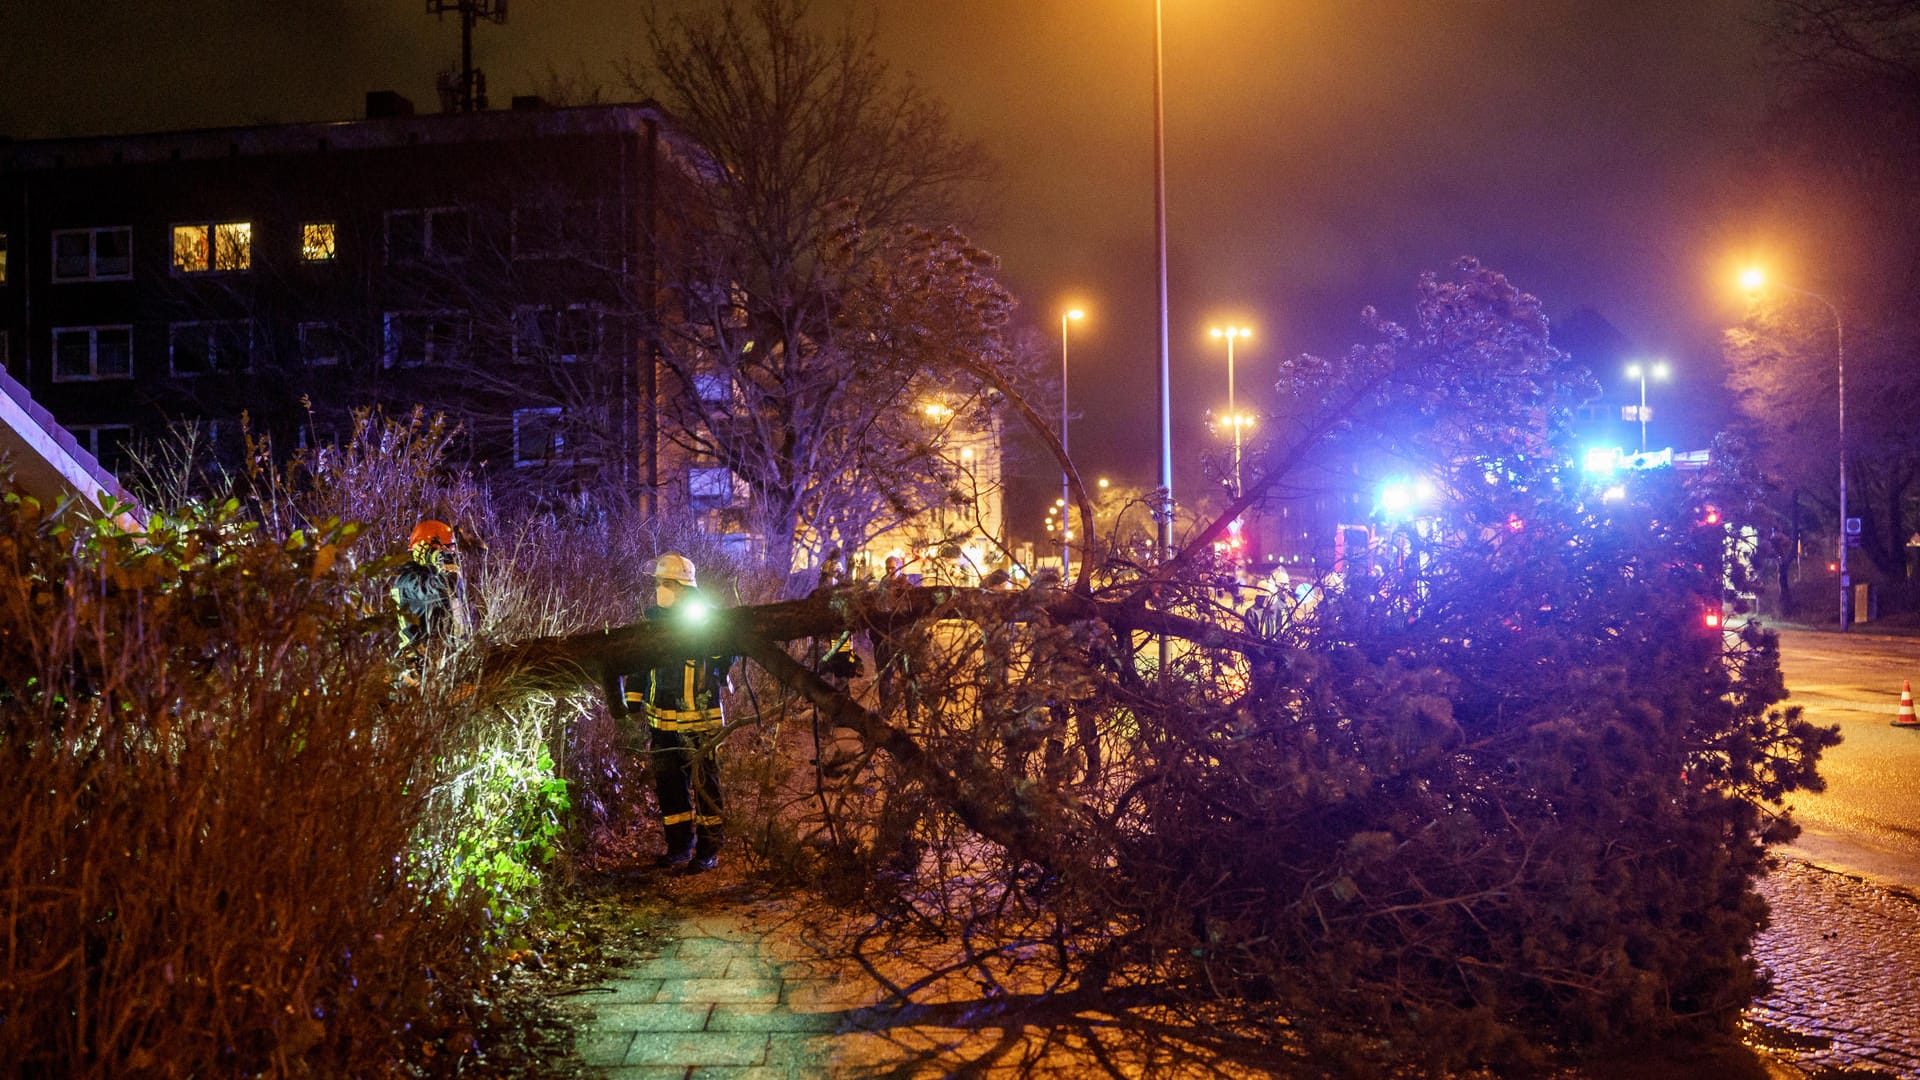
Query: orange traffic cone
(1905, 717)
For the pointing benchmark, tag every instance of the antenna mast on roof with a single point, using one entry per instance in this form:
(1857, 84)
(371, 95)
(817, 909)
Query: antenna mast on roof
(465, 90)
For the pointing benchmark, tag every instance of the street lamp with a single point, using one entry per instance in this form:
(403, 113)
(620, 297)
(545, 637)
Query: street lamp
(1066, 490)
(1753, 280)
(1165, 510)
(1640, 371)
(1233, 415)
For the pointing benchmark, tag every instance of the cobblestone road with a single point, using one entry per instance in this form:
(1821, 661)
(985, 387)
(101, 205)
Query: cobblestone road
(1845, 957)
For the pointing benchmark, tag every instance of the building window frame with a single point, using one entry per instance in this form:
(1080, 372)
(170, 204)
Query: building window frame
(713, 486)
(436, 232)
(200, 248)
(120, 268)
(319, 241)
(537, 340)
(90, 438)
(93, 333)
(322, 343)
(549, 421)
(445, 336)
(218, 336)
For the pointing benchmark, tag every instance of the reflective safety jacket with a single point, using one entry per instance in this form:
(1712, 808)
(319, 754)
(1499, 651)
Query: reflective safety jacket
(680, 696)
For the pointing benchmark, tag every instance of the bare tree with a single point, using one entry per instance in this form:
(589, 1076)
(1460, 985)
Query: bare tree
(817, 293)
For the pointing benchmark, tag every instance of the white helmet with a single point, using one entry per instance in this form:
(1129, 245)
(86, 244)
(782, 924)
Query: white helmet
(674, 567)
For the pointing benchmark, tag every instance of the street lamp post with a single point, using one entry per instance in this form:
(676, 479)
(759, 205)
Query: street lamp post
(1066, 489)
(1233, 413)
(1160, 249)
(1641, 371)
(1754, 280)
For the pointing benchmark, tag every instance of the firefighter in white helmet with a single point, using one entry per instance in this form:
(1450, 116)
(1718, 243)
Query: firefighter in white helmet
(681, 701)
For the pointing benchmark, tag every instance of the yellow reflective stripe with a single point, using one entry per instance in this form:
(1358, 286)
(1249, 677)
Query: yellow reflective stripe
(709, 819)
(688, 725)
(683, 714)
(686, 693)
(677, 819)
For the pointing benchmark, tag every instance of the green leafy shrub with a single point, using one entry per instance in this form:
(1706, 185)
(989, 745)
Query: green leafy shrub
(207, 781)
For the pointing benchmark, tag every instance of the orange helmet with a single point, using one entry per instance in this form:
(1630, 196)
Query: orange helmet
(431, 532)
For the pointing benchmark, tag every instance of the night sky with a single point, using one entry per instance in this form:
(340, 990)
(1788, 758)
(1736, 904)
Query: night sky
(1320, 154)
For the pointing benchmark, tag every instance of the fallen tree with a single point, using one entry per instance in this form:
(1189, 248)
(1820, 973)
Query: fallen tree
(1498, 793)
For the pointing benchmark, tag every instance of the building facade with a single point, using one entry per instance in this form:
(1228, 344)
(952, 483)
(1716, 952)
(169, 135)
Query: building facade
(496, 267)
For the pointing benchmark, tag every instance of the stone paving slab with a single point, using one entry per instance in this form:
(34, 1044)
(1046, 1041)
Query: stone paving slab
(714, 1005)
(1845, 960)
(734, 995)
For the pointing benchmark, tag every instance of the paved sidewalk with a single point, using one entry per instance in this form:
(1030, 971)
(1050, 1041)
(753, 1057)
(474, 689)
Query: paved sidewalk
(1845, 958)
(738, 993)
(727, 1000)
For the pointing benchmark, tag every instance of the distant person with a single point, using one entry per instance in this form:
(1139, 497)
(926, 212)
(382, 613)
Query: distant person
(428, 596)
(833, 570)
(681, 702)
(888, 661)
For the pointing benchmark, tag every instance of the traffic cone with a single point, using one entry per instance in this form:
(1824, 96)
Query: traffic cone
(1905, 717)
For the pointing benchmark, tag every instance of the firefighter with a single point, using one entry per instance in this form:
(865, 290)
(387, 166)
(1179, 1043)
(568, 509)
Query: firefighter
(681, 702)
(427, 595)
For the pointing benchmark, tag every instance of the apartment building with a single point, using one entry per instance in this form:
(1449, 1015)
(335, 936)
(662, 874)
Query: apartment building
(496, 267)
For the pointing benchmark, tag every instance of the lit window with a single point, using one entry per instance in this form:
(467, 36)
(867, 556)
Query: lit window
(207, 348)
(87, 353)
(316, 241)
(93, 254)
(3, 258)
(321, 344)
(198, 249)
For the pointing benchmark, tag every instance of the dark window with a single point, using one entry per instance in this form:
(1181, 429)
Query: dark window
(110, 444)
(406, 236)
(93, 254)
(72, 256)
(206, 348)
(321, 343)
(83, 353)
(538, 437)
(420, 235)
(567, 334)
(415, 338)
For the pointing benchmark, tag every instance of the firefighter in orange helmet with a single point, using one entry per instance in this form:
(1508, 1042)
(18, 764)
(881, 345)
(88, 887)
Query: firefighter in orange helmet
(428, 597)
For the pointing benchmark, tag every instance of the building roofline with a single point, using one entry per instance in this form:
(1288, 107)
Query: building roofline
(325, 136)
